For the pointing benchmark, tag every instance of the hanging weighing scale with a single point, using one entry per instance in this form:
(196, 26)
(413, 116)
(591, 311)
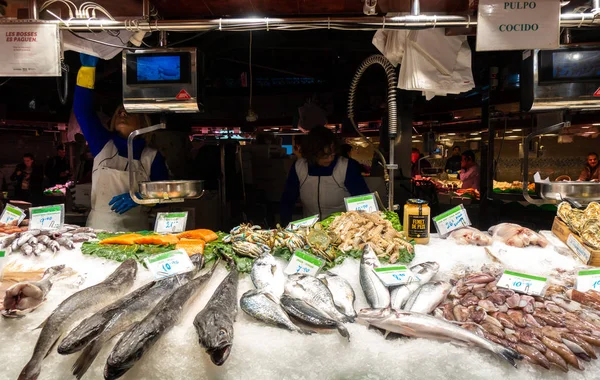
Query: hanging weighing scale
(159, 81)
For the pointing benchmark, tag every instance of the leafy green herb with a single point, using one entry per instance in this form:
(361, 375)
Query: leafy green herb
(283, 252)
(393, 217)
(119, 252)
(327, 221)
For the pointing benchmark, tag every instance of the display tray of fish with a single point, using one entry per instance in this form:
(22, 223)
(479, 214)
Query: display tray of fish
(559, 330)
(36, 242)
(515, 235)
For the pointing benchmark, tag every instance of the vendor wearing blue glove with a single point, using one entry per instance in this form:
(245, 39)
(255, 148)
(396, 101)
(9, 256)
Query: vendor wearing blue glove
(112, 206)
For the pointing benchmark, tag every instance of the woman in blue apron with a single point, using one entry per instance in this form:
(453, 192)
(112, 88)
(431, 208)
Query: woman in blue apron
(320, 178)
(112, 206)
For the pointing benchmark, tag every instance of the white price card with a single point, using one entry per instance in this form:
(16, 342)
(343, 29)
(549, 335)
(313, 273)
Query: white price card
(12, 213)
(523, 283)
(30, 49)
(581, 252)
(366, 203)
(306, 222)
(170, 263)
(588, 279)
(46, 217)
(451, 220)
(302, 262)
(395, 275)
(170, 222)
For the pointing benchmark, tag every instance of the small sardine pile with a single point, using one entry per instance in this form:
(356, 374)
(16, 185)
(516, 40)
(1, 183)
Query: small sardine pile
(37, 242)
(558, 330)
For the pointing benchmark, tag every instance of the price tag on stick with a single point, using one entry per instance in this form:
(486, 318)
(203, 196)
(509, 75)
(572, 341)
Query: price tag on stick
(451, 220)
(366, 203)
(395, 275)
(306, 222)
(169, 263)
(46, 217)
(12, 213)
(170, 222)
(302, 262)
(588, 279)
(523, 283)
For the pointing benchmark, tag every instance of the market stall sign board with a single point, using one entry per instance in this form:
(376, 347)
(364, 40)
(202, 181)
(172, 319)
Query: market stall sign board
(46, 217)
(302, 262)
(451, 220)
(12, 213)
(170, 222)
(29, 50)
(306, 222)
(395, 275)
(582, 253)
(366, 203)
(523, 283)
(588, 279)
(518, 25)
(170, 263)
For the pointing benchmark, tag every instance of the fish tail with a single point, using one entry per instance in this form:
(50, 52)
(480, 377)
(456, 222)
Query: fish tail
(31, 371)
(85, 360)
(507, 354)
(343, 331)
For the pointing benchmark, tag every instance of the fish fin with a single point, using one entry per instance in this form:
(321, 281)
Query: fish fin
(273, 269)
(52, 347)
(41, 324)
(305, 331)
(343, 331)
(87, 357)
(507, 354)
(271, 297)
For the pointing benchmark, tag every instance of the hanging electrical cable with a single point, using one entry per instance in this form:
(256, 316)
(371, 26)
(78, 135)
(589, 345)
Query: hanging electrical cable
(64, 94)
(252, 116)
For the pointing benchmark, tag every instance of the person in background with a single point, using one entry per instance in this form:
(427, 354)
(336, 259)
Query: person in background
(29, 180)
(345, 150)
(415, 156)
(320, 178)
(453, 162)
(591, 170)
(112, 206)
(469, 174)
(58, 169)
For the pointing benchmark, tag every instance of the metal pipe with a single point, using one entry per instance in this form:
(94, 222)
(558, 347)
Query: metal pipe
(130, 163)
(162, 38)
(33, 10)
(146, 9)
(350, 23)
(595, 4)
(415, 10)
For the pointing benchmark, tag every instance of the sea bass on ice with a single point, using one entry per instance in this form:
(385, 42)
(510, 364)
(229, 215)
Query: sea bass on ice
(419, 325)
(312, 291)
(376, 292)
(425, 271)
(264, 307)
(142, 335)
(428, 297)
(303, 311)
(342, 292)
(214, 324)
(267, 275)
(73, 308)
(92, 333)
(24, 297)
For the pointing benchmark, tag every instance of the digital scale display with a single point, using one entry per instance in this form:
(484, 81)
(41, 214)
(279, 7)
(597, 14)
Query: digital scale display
(158, 68)
(576, 64)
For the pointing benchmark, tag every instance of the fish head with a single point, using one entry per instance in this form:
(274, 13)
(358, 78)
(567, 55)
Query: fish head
(370, 315)
(54, 270)
(216, 335)
(126, 272)
(369, 257)
(83, 334)
(128, 350)
(198, 261)
(431, 266)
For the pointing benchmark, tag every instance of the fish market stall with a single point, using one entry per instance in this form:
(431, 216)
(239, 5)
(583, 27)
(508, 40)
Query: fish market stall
(258, 350)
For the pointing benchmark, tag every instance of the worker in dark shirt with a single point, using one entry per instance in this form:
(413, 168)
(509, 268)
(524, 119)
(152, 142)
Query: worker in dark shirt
(58, 169)
(320, 178)
(453, 162)
(591, 170)
(29, 179)
(112, 206)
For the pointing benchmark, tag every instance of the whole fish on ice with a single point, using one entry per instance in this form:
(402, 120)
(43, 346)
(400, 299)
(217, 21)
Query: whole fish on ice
(303, 311)
(425, 272)
(264, 307)
(342, 292)
(73, 308)
(428, 297)
(267, 275)
(377, 294)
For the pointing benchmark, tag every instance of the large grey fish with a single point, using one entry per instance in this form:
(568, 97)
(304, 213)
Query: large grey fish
(425, 271)
(86, 301)
(312, 291)
(92, 333)
(303, 311)
(24, 297)
(214, 324)
(419, 325)
(266, 308)
(342, 292)
(428, 297)
(377, 294)
(142, 335)
(267, 275)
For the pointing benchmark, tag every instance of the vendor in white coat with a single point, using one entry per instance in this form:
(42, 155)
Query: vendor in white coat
(112, 206)
(320, 178)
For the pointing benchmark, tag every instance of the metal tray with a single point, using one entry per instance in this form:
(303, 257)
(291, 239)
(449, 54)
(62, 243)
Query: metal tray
(582, 192)
(172, 189)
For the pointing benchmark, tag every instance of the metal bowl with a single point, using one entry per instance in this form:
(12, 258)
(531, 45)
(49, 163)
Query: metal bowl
(582, 192)
(172, 189)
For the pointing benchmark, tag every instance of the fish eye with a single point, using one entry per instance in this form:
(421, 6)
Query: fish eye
(222, 333)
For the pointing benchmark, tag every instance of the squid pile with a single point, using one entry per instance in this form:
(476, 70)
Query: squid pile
(37, 242)
(357, 229)
(558, 330)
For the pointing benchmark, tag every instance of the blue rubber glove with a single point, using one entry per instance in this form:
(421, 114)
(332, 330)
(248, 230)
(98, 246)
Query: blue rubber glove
(122, 203)
(88, 60)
